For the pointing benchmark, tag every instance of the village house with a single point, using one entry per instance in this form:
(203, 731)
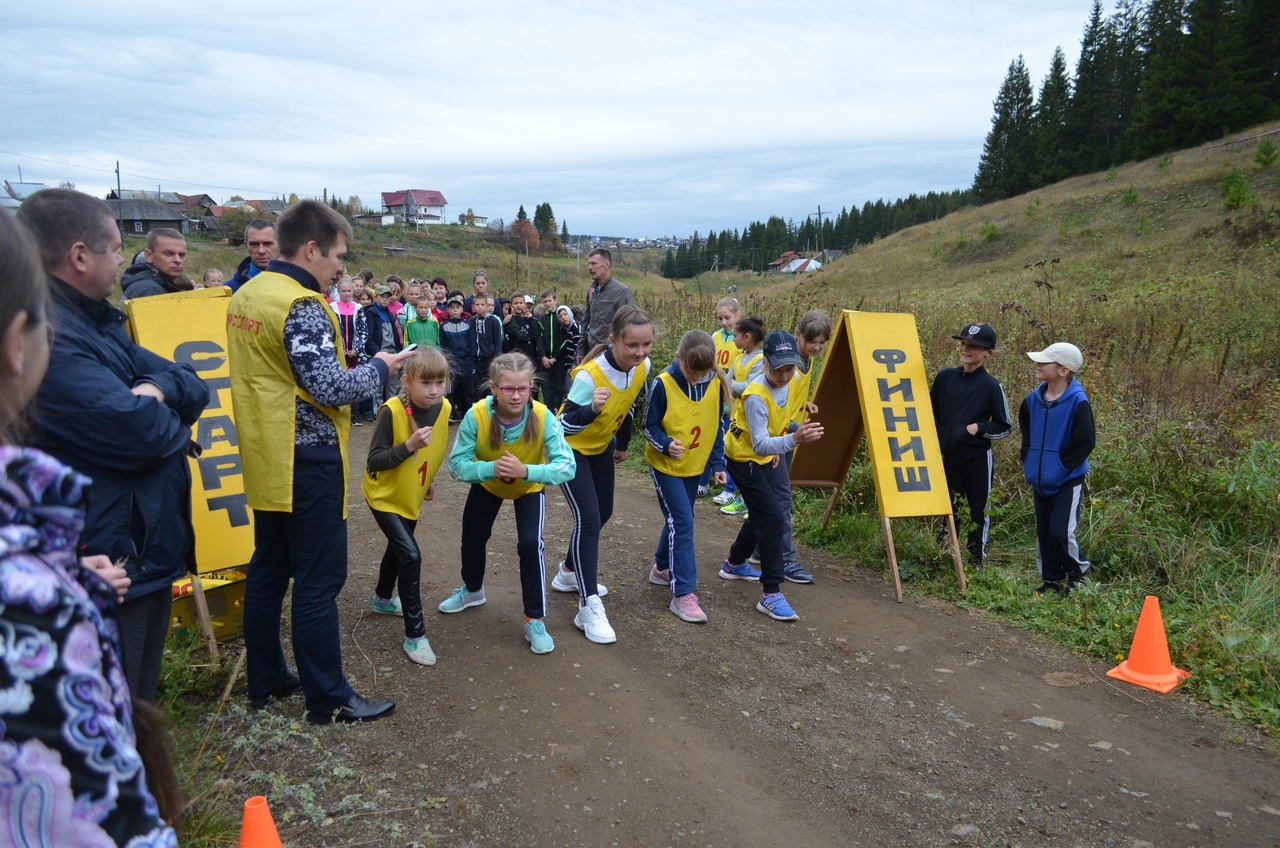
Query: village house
(415, 206)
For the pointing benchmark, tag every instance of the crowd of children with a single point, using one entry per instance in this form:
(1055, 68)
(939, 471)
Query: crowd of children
(729, 411)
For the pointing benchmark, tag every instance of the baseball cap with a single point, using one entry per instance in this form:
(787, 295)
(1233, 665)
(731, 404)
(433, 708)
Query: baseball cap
(980, 334)
(780, 350)
(382, 290)
(455, 299)
(1064, 353)
(528, 298)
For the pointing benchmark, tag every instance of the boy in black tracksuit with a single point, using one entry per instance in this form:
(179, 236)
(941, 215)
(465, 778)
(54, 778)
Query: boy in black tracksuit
(1058, 434)
(488, 338)
(971, 412)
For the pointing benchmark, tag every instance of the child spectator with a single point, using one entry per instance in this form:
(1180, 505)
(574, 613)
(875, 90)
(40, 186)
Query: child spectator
(522, 332)
(373, 338)
(1058, 435)
(561, 333)
(971, 411)
(509, 447)
(683, 413)
(353, 329)
(404, 457)
(597, 418)
(489, 337)
(422, 328)
(750, 449)
(458, 341)
(212, 278)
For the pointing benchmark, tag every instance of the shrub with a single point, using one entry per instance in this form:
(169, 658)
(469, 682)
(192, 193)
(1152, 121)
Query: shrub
(1129, 197)
(1266, 154)
(1235, 190)
(988, 230)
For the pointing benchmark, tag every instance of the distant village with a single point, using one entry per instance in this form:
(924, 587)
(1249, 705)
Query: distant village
(141, 210)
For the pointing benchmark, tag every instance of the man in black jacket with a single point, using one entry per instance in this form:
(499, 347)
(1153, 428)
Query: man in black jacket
(120, 414)
(163, 261)
(260, 242)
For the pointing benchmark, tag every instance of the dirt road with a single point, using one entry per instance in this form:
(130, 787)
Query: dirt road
(866, 722)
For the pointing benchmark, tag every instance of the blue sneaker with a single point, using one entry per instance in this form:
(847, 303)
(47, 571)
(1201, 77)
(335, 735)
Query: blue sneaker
(739, 572)
(540, 641)
(794, 572)
(461, 599)
(776, 606)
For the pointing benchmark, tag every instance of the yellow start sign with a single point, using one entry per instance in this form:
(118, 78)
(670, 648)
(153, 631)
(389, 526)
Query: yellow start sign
(190, 328)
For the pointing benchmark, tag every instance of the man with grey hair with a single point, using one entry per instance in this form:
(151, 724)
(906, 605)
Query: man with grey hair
(120, 414)
(260, 243)
(604, 298)
(161, 266)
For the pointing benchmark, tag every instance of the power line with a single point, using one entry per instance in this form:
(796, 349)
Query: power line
(143, 176)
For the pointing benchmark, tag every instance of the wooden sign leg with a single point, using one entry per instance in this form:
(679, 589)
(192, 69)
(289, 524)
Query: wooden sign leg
(202, 612)
(893, 558)
(831, 505)
(955, 551)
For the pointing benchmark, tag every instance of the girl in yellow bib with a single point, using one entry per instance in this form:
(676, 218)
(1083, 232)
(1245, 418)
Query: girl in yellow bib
(748, 333)
(682, 425)
(508, 448)
(597, 418)
(759, 433)
(399, 473)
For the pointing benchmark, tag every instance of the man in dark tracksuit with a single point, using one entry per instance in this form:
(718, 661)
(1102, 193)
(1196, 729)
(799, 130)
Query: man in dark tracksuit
(971, 411)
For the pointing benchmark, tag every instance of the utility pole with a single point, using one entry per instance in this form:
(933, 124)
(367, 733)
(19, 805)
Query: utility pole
(820, 214)
(119, 203)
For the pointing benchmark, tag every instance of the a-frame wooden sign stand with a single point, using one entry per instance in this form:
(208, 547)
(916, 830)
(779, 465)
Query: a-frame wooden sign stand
(873, 384)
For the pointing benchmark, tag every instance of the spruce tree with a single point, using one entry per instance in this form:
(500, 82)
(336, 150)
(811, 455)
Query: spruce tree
(1087, 118)
(1005, 167)
(1051, 123)
(1160, 98)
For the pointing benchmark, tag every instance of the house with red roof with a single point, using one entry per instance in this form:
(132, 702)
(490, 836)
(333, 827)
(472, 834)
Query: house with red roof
(415, 206)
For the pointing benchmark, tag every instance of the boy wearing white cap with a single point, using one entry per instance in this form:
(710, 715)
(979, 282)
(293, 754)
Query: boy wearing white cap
(1057, 437)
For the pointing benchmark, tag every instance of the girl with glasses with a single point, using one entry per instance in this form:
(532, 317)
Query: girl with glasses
(508, 448)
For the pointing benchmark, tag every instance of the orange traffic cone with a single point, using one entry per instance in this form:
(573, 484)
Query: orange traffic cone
(259, 829)
(1149, 665)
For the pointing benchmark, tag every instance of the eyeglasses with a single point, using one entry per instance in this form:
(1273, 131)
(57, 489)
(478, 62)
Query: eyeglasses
(515, 391)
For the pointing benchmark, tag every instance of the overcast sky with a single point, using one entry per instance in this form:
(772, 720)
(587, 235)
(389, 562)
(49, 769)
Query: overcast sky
(638, 119)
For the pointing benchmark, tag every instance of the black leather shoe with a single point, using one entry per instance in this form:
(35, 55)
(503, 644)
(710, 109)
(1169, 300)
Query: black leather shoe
(291, 684)
(359, 708)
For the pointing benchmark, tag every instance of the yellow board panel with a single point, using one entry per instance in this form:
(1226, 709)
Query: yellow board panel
(191, 328)
(897, 416)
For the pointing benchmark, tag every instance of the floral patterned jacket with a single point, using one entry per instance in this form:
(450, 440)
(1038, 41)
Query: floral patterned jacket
(70, 773)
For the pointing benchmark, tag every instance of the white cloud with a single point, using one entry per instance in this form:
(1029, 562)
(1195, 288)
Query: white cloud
(644, 118)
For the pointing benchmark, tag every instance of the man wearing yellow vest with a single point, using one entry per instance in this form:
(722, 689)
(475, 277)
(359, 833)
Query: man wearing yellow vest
(291, 389)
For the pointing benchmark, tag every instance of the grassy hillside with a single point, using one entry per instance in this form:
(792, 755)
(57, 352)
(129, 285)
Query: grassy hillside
(1175, 300)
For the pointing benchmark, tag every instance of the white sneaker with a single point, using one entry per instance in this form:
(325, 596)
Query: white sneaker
(419, 650)
(592, 620)
(567, 581)
(724, 498)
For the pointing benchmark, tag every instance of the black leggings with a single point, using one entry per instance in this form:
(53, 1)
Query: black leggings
(477, 526)
(764, 531)
(401, 566)
(590, 498)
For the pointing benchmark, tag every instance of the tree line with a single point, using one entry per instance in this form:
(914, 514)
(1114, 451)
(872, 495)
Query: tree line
(1153, 77)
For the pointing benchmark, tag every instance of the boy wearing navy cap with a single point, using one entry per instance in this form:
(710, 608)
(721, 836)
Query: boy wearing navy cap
(971, 411)
(1058, 435)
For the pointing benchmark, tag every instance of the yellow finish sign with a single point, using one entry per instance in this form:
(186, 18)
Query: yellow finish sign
(902, 441)
(190, 328)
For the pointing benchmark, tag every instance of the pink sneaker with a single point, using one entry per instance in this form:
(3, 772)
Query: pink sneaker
(686, 608)
(660, 576)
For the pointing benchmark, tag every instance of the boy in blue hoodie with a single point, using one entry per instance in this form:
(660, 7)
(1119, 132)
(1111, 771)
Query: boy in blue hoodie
(1057, 437)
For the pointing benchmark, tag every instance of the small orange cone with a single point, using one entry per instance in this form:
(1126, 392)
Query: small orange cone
(1149, 665)
(259, 829)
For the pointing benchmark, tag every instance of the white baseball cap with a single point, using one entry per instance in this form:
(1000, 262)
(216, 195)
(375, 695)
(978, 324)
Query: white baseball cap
(1064, 353)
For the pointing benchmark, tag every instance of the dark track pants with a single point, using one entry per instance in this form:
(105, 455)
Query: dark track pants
(763, 532)
(590, 498)
(972, 479)
(1058, 554)
(477, 526)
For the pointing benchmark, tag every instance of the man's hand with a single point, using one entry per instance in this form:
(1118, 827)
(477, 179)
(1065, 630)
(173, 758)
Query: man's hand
(393, 360)
(418, 440)
(113, 573)
(148, 390)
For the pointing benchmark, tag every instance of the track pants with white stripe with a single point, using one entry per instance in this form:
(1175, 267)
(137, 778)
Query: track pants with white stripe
(477, 526)
(1058, 554)
(972, 478)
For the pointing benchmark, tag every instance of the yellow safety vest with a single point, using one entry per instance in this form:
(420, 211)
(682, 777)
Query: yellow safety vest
(263, 389)
(694, 423)
(402, 489)
(595, 437)
(726, 350)
(741, 367)
(798, 395)
(737, 442)
(530, 453)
